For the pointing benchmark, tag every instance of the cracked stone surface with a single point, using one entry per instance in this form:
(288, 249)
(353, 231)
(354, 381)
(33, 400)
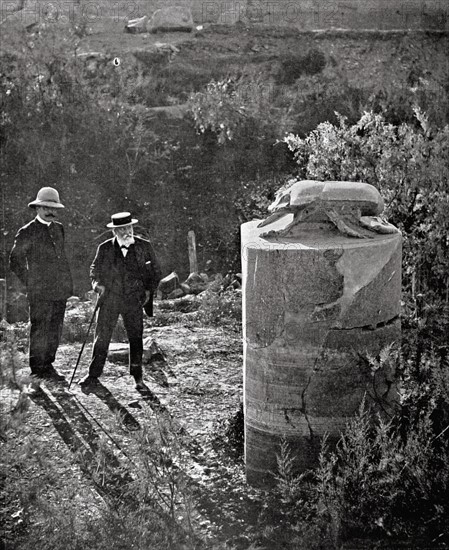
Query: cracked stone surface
(312, 306)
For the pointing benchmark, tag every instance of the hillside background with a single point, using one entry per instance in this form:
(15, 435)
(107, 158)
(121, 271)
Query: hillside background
(122, 135)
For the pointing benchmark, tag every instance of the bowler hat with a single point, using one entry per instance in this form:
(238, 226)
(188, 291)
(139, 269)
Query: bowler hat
(121, 219)
(47, 196)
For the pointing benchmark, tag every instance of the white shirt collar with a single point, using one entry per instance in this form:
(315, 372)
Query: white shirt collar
(39, 219)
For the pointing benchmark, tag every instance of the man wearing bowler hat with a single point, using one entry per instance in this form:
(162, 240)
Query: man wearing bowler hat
(125, 273)
(38, 259)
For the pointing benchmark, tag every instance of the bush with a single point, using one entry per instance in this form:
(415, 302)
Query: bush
(390, 479)
(381, 482)
(408, 165)
(221, 304)
(293, 66)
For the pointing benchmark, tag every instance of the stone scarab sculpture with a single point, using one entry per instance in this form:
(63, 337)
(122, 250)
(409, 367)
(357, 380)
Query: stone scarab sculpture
(353, 208)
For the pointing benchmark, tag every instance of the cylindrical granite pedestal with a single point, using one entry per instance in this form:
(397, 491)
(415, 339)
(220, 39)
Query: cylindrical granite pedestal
(313, 307)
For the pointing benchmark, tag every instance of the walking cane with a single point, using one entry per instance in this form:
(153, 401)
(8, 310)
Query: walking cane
(85, 339)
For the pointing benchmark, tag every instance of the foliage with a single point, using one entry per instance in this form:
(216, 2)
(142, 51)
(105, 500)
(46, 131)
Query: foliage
(293, 66)
(221, 303)
(408, 165)
(217, 109)
(380, 482)
(239, 107)
(288, 482)
(384, 479)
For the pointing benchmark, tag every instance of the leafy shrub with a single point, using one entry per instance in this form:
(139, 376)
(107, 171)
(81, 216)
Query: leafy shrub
(240, 107)
(221, 304)
(380, 483)
(218, 110)
(409, 167)
(294, 66)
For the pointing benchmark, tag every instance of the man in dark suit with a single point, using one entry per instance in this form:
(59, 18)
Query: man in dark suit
(125, 273)
(38, 259)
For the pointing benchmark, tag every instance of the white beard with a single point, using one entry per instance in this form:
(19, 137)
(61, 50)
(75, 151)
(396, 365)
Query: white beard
(127, 240)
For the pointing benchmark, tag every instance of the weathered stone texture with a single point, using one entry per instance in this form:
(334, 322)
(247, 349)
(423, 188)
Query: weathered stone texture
(312, 307)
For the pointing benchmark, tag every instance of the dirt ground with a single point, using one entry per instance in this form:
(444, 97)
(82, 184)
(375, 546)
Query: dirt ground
(195, 382)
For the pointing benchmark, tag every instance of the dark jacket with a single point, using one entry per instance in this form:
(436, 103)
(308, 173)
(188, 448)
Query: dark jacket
(38, 259)
(106, 269)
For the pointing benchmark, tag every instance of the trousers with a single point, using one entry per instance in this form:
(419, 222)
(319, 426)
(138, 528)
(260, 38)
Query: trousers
(46, 319)
(130, 308)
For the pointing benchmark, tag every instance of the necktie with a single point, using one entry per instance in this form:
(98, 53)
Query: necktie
(56, 238)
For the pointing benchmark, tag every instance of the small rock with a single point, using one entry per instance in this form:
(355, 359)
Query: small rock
(235, 284)
(118, 353)
(166, 47)
(72, 302)
(169, 283)
(177, 293)
(185, 287)
(198, 288)
(194, 278)
(135, 404)
(185, 304)
(152, 351)
(137, 26)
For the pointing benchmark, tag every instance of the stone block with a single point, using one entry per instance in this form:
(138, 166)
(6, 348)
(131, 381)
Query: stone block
(171, 19)
(118, 353)
(169, 283)
(313, 305)
(177, 293)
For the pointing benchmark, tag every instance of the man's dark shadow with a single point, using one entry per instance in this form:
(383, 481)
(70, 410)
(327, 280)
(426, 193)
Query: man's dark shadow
(159, 408)
(68, 418)
(70, 422)
(64, 427)
(115, 406)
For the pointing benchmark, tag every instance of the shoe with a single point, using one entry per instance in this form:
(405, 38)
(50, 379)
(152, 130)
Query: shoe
(89, 381)
(37, 372)
(51, 373)
(140, 384)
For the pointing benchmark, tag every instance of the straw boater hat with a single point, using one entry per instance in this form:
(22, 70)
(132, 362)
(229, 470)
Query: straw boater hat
(121, 219)
(47, 196)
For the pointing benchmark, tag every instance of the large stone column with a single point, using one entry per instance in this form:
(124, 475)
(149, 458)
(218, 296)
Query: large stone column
(314, 305)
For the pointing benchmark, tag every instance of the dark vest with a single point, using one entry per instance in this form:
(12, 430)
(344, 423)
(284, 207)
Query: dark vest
(128, 277)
